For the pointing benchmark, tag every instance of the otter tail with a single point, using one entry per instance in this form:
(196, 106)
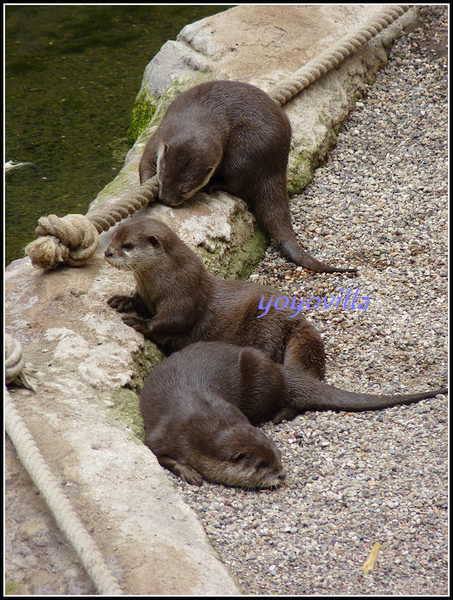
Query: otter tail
(273, 212)
(294, 252)
(303, 392)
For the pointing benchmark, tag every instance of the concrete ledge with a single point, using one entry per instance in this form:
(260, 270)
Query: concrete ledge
(81, 355)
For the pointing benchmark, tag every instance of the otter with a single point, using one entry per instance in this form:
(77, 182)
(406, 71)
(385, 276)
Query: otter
(179, 302)
(195, 433)
(200, 407)
(229, 136)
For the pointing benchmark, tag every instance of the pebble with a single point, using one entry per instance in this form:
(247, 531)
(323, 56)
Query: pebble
(380, 202)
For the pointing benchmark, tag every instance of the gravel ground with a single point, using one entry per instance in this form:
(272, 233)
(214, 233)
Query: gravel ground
(355, 479)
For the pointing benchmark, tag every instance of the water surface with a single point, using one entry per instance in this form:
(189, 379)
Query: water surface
(71, 77)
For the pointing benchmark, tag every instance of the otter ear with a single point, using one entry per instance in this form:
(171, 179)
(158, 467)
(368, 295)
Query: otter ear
(161, 151)
(238, 456)
(153, 240)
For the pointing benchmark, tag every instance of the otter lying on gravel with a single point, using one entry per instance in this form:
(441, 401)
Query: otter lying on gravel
(200, 406)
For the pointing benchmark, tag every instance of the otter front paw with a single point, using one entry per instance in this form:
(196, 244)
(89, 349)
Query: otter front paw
(183, 470)
(189, 474)
(140, 325)
(122, 303)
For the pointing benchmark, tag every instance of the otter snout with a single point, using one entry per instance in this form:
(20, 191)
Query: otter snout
(110, 256)
(174, 195)
(273, 481)
(120, 262)
(169, 199)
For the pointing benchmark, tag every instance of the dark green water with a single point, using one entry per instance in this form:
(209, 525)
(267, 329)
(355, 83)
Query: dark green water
(71, 77)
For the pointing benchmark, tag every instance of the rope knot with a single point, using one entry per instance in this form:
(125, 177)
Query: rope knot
(15, 365)
(72, 239)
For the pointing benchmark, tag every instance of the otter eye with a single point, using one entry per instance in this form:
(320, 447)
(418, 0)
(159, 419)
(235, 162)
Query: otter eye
(127, 246)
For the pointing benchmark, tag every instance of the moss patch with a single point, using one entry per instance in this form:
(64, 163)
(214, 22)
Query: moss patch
(300, 172)
(126, 407)
(144, 362)
(12, 588)
(150, 108)
(248, 255)
(237, 259)
(308, 155)
(142, 113)
(126, 400)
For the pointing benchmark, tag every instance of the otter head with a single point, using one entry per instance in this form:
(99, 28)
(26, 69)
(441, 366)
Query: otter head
(139, 244)
(183, 168)
(246, 458)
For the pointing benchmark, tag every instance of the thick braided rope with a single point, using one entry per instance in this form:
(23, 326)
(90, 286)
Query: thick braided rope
(15, 365)
(74, 239)
(65, 516)
(333, 56)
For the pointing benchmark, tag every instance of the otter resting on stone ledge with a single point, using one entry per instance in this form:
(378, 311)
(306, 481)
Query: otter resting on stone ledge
(229, 136)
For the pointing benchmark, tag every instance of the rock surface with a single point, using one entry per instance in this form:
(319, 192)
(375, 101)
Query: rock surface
(82, 355)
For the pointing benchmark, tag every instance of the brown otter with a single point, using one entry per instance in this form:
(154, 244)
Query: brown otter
(196, 403)
(183, 303)
(229, 136)
(194, 432)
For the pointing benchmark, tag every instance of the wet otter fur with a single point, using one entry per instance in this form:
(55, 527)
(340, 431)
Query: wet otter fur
(229, 136)
(180, 302)
(200, 404)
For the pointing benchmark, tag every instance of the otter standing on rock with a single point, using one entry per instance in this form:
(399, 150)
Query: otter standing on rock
(183, 303)
(229, 136)
(195, 407)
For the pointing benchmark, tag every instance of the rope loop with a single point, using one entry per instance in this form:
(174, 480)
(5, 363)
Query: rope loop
(72, 239)
(15, 365)
(33, 461)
